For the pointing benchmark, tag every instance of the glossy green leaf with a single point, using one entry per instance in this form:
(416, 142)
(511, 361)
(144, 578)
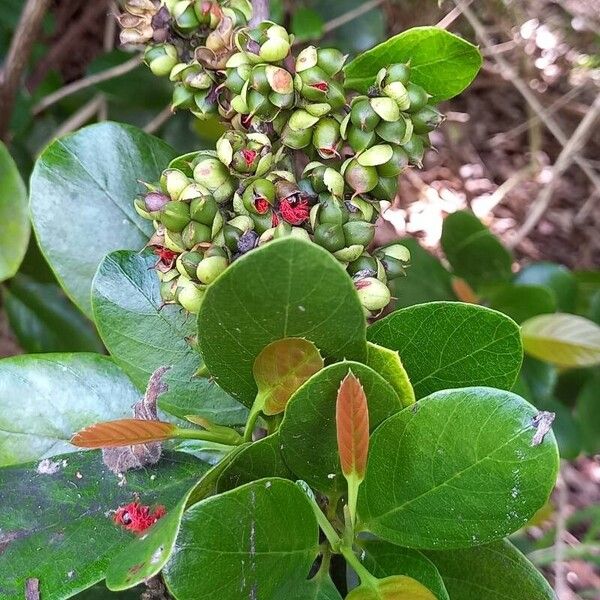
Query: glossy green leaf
(441, 62)
(588, 415)
(259, 459)
(142, 335)
(308, 430)
(46, 398)
(287, 288)
(44, 320)
(383, 559)
(450, 344)
(521, 302)
(556, 278)
(65, 508)
(14, 218)
(246, 543)
(387, 363)
(307, 24)
(426, 279)
(474, 253)
(495, 571)
(281, 368)
(320, 587)
(463, 469)
(82, 192)
(145, 556)
(540, 378)
(562, 339)
(588, 294)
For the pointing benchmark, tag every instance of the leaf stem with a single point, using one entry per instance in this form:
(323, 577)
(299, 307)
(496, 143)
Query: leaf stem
(220, 437)
(251, 422)
(366, 578)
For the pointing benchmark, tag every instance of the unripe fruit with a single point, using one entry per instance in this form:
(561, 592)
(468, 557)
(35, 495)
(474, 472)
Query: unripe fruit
(188, 262)
(365, 265)
(363, 115)
(396, 164)
(190, 295)
(426, 120)
(418, 97)
(161, 59)
(175, 216)
(359, 232)
(174, 181)
(398, 72)
(195, 233)
(210, 268)
(203, 210)
(415, 148)
(360, 140)
(361, 179)
(331, 210)
(374, 295)
(330, 236)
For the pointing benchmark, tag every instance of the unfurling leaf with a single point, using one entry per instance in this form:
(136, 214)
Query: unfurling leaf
(281, 368)
(562, 339)
(397, 587)
(123, 432)
(352, 419)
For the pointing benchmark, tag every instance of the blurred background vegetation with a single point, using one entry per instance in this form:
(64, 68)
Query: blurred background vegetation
(520, 148)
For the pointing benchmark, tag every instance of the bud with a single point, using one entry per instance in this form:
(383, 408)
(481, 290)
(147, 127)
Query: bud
(386, 108)
(394, 259)
(395, 165)
(375, 156)
(349, 253)
(313, 84)
(211, 173)
(248, 241)
(363, 115)
(203, 209)
(397, 92)
(360, 178)
(415, 148)
(185, 16)
(359, 232)
(358, 139)
(189, 295)
(210, 268)
(330, 60)
(183, 98)
(231, 236)
(175, 216)
(296, 140)
(326, 138)
(153, 202)
(161, 59)
(365, 265)
(418, 97)
(261, 106)
(168, 290)
(195, 233)
(302, 119)
(331, 210)
(174, 181)
(174, 242)
(374, 295)
(330, 236)
(398, 72)
(396, 132)
(426, 120)
(187, 262)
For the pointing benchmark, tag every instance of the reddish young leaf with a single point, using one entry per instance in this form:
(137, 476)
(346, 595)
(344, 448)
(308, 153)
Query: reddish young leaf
(352, 420)
(124, 432)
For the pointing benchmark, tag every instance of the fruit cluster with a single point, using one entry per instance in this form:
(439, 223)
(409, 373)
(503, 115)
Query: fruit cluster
(304, 156)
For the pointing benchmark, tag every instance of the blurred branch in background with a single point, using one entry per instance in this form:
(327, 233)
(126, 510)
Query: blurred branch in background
(18, 57)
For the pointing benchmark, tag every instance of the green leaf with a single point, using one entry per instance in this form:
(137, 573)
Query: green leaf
(441, 62)
(521, 302)
(426, 279)
(287, 288)
(388, 364)
(588, 415)
(14, 218)
(145, 556)
(320, 587)
(306, 24)
(496, 571)
(308, 430)
(562, 339)
(463, 469)
(450, 344)
(540, 378)
(557, 278)
(259, 459)
(246, 543)
(383, 559)
(142, 335)
(100, 592)
(474, 253)
(82, 183)
(281, 368)
(68, 514)
(46, 398)
(44, 320)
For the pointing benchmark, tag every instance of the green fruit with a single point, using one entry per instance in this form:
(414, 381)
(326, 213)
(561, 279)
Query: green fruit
(231, 236)
(363, 116)
(190, 295)
(359, 232)
(331, 210)
(360, 179)
(426, 120)
(330, 236)
(210, 268)
(394, 166)
(418, 97)
(364, 264)
(188, 262)
(175, 216)
(396, 132)
(398, 72)
(203, 210)
(386, 188)
(330, 60)
(195, 233)
(360, 140)
(415, 148)
(374, 295)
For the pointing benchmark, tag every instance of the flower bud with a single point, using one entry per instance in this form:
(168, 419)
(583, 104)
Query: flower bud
(185, 16)
(248, 241)
(155, 201)
(174, 242)
(231, 236)
(374, 295)
(418, 97)
(398, 72)
(359, 209)
(210, 268)
(326, 138)
(386, 108)
(358, 139)
(397, 132)
(395, 165)
(203, 209)
(330, 60)
(261, 106)
(211, 173)
(363, 115)
(331, 210)
(195, 233)
(296, 139)
(189, 295)
(415, 148)
(175, 216)
(397, 92)
(174, 181)
(375, 156)
(187, 263)
(330, 236)
(183, 98)
(394, 259)
(302, 119)
(161, 59)
(168, 291)
(314, 84)
(360, 178)
(359, 232)
(349, 253)
(365, 266)
(426, 120)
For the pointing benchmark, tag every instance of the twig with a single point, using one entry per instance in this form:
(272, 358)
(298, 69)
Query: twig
(85, 83)
(80, 118)
(511, 74)
(565, 158)
(159, 120)
(18, 55)
(351, 15)
(452, 16)
(260, 12)
(585, 210)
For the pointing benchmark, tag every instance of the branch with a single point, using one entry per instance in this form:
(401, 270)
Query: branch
(18, 55)
(87, 82)
(351, 15)
(260, 12)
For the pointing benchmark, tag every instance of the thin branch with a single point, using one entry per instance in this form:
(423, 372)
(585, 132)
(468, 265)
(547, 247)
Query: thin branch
(159, 120)
(260, 12)
(351, 15)
(86, 82)
(18, 55)
(511, 74)
(452, 16)
(565, 158)
(87, 112)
